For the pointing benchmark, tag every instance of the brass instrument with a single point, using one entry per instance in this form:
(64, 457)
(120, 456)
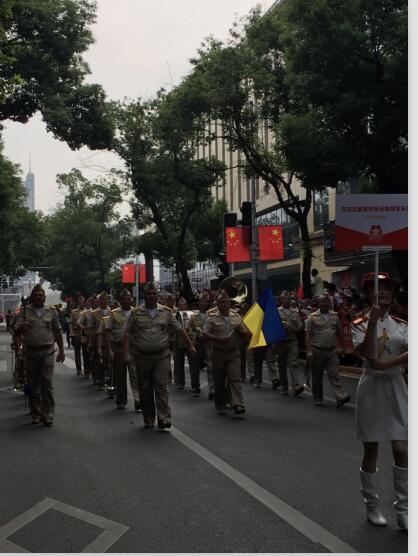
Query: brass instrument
(236, 290)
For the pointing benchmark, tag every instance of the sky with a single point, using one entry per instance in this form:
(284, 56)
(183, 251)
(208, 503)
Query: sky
(141, 46)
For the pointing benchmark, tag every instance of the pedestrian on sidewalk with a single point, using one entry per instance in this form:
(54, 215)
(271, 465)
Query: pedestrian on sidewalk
(323, 327)
(382, 397)
(39, 329)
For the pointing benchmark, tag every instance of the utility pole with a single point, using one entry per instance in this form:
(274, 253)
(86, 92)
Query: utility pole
(254, 244)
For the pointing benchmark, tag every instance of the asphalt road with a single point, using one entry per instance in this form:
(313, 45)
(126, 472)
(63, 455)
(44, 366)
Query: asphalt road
(282, 479)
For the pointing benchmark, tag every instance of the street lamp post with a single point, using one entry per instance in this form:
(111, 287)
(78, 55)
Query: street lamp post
(254, 244)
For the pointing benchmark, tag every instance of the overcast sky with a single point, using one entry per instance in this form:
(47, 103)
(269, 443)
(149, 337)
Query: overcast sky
(139, 43)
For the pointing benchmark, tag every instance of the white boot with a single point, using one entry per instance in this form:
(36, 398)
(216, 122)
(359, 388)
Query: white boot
(400, 483)
(371, 499)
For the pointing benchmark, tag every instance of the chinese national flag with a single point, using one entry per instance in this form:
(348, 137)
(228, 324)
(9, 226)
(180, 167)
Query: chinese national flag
(270, 240)
(128, 274)
(237, 242)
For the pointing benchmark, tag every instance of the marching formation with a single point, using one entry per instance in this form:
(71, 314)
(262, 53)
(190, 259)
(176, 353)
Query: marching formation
(116, 341)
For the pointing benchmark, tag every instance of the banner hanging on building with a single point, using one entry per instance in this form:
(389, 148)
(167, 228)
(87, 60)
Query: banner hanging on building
(237, 244)
(368, 220)
(270, 239)
(128, 274)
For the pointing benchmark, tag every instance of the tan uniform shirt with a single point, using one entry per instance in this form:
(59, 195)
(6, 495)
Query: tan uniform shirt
(196, 324)
(218, 325)
(323, 329)
(116, 324)
(98, 315)
(182, 317)
(40, 330)
(75, 317)
(150, 328)
(291, 322)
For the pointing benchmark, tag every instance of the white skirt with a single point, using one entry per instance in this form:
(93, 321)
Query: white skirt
(382, 407)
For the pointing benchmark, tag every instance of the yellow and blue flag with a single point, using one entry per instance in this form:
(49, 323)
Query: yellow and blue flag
(263, 321)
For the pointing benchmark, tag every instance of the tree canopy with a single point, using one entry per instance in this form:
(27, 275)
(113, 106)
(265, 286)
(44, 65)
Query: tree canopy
(86, 235)
(42, 69)
(22, 233)
(172, 187)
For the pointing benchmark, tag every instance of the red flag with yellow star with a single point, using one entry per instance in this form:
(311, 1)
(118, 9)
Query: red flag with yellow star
(270, 239)
(237, 243)
(128, 274)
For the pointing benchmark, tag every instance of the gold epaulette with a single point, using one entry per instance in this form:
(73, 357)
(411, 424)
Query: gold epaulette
(360, 320)
(398, 319)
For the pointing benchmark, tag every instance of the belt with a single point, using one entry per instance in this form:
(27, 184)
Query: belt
(152, 352)
(40, 348)
(382, 373)
(226, 350)
(324, 349)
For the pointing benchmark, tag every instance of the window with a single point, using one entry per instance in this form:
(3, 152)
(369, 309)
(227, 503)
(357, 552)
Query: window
(321, 208)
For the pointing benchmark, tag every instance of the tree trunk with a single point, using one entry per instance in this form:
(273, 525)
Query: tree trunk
(307, 258)
(186, 289)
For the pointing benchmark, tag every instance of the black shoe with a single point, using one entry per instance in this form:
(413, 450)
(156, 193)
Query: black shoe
(318, 402)
(275, 384)
(341, 402)
(238, 409)
(180, 386)
(48, 422)
(284, 393)
(120, 405)
(36, 420)
(211, 396)
(148, 425)
(138, 407)
(164, 425)
(257, 385)
(221, 411)
(298, 390)
(196, 393)
(251, 379)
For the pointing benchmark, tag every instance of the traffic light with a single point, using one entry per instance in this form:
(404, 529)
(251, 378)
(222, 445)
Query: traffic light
(223, 266)
(246, 216)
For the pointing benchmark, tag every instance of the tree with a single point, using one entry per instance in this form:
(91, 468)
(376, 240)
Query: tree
(172, 188)
(41, 47)
(86, 234)
(351, 82)
(243, 85)
(22, 233)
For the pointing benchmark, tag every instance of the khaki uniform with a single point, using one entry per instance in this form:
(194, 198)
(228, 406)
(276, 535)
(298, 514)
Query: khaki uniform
(150, 331)
(116, 325)
(39, 339)
(226, 360)
(180, 349)
(101, 365)
(203, 356)
(288, 350)
(76, 338)
(323, 330)
(87, 348)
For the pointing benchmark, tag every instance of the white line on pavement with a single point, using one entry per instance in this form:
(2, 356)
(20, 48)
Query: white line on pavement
(297, 520)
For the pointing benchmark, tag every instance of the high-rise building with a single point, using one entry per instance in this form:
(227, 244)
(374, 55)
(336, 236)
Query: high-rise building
(29, 185)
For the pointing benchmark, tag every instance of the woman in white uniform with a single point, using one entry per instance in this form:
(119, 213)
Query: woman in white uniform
(382, 397)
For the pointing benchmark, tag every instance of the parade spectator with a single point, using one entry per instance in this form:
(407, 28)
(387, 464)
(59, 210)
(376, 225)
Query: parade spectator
(316, 283)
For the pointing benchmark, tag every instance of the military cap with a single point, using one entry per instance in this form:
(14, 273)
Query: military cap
(150, 286)
(125, 291)
(37, 288)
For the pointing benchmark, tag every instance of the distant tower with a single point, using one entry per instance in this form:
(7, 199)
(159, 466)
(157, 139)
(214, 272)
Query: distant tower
(29, 184)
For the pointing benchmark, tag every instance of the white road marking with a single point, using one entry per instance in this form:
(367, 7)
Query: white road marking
(297, 520)
(112, 529)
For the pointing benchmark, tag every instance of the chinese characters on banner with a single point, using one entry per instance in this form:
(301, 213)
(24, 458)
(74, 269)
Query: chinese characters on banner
(368, 220)
(128, 274)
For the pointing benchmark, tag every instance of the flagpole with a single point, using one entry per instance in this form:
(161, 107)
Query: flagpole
(254, 244)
